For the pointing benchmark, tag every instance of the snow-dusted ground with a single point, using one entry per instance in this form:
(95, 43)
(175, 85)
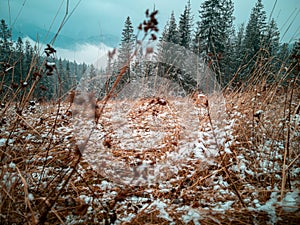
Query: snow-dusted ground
(153, 159)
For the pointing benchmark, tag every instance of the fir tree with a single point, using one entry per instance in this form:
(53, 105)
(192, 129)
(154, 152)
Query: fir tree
(67, 78)
(75, 74)
(185, 26)
(295, 60)
(166, 53)
(170, 37)
(213, 32)
(5, 42)
(226, 57)
(126, 50)
(255, 30)
(272, 38)
(238, 51)
(170, 33)
(93, 73)
(139, 64)
(92, 78)
(283, 53)
(28, 56)
(207, 38)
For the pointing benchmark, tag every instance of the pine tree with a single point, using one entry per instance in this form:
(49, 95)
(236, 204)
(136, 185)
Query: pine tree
(126, 50)
(295, 60)
(92, 79)
(166, 51)
(67, 79)
(226, 57)
(185, 26)
(75, 74)
(213, 32)
(238, 51)
(272, 38)
(283, 53)
(170, 37)
(139, 64)
(207, 38)
(83, 69)
(170, 33)
(5, 42)
(255, 30)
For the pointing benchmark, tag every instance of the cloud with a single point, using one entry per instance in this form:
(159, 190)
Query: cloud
(91, 54)
(96, 17)
(87, 53)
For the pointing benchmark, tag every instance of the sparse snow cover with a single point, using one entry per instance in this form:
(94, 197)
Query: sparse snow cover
(191, 215)
(291, 201)
(224, 206)
(136, 136)
(269, 207)
(30, 197)
(4, 140)
(161, 206)
(12, 165)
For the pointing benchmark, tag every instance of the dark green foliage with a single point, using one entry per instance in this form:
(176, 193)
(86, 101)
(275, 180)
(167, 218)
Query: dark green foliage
(21, 65)
(185, 26)
(271, 39)
(214, 30)
(255, 30)
(5, 42)
(295, 60)
(124, 57)
(167, 50)
(233, 56)
(170, 37)
(126, 48)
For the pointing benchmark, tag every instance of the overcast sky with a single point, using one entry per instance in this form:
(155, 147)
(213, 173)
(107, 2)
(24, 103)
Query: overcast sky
(96, 17)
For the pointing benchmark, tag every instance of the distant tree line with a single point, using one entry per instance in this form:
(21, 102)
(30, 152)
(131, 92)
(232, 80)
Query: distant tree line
(21, 64)
(233, 55)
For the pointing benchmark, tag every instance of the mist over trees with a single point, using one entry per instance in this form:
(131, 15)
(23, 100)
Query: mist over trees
(21, 64)
(231, 53)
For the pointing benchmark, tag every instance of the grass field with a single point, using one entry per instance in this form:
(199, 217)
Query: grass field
(155, 160)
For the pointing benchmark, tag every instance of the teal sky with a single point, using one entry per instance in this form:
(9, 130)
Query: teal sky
(97, 17)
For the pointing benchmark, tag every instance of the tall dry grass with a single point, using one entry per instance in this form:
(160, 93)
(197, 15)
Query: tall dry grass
(43, 175)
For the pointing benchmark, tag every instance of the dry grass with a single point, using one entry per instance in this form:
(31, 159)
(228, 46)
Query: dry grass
(46, 178)
(43, 171)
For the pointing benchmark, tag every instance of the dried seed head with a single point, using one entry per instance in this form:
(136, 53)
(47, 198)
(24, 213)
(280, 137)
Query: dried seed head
(151, 23)
(140, 27)
(49, 50)
(153, 37)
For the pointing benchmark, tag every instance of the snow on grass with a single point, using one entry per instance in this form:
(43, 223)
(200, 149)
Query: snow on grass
(291, 201)
(187, 179)
(161, 206)
(189, 215)
(3, 141)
